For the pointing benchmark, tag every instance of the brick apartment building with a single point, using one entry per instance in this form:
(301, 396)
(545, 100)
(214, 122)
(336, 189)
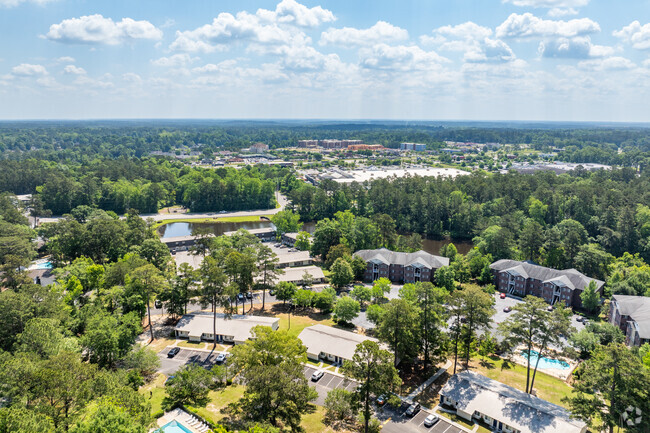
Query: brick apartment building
(400, 267)
(552, 285)
(632, 315)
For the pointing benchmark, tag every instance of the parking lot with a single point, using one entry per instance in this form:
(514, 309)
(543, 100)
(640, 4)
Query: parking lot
(392, 418)
(168, 366)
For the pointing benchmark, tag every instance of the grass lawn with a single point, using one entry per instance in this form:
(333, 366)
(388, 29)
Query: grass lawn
(455, 418)
(233, 219)
(155, 392)
(193, 344)
(313, 422)
(300, 322)
(159, 343)
(548, 387)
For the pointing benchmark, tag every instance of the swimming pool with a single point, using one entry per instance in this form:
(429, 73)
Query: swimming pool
(545, 362)
(173, 427)
(44, 265)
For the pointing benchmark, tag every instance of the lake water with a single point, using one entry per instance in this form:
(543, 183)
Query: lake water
(185, 229)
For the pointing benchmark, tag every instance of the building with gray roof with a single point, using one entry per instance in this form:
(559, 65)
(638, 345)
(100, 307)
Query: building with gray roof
(504, 408)
(525, 278)
(235, 329)
(331, 344)
(401, 267)
(632, 315)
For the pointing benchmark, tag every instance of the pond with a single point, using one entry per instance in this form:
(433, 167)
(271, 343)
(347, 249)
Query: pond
(185, 229)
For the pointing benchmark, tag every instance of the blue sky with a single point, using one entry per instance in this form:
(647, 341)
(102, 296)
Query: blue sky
(574, 60)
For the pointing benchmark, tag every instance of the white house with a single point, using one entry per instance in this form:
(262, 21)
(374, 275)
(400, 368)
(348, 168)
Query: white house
(235, 329)
(331, 344)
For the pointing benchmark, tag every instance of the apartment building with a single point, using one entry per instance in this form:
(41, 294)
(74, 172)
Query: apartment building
(401, 267)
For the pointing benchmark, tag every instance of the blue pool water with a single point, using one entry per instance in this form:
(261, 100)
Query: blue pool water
(44, 265)
(546, 362)
(173, 427)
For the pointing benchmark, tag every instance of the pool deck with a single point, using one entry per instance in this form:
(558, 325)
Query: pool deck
(555, 372)
(178, 415)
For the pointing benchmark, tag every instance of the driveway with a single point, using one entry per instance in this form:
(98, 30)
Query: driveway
(392, 419)
(169, 366)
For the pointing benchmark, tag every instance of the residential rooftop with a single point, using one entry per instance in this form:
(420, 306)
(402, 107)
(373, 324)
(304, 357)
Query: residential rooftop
(572, 278)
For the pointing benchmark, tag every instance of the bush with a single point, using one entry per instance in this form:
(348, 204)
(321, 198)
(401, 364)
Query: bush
(158, 414)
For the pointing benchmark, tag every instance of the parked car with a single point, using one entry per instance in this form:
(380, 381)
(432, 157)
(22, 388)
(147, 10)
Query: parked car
(431, 420)
(173, 352)
(221, 358)
(157, 303)
(222, 211)
(317, 375)
(381, 400)
(413, 410)
(549, 308)
(507, 309)
(272, 292)
(168, 379)
(502, 295)
(241, 297)
(249, 295)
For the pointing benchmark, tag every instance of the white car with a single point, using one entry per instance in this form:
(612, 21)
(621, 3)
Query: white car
(317, 375)
(431, 420)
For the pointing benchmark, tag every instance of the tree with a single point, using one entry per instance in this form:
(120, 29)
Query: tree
(362, 294)
(267, 261)
(285, 291)
(400, 328)
(325, 300)
(190, 385)
(386, 227)
(341, 273)
(271, 368)
(477, 310)
(607, 385)
(215, 291)
(143, 360)
(286, 221)
(497, 241)
(445, 278)
(530, 240)
(339, 407)
(339, 251)
(155, 252)
(241, 267)
(380, 287)
(346, 309)
(148, 281)
(358, 267)
(372, 367)
(590, 297)
(456, 315)
(303, 241)
(180, 290)
(431, 301)
(374, 313)
(16, 419)
(487, 346)
(592, 260)
(303, 298)
(108, 418)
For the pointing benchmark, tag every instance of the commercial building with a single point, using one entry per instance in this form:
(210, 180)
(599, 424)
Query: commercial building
(371, 173)
(366, 147)
(289, 257)
(296, 275)
(259, 148)
(289, 239)
(524, 278)
(264, 234)
(632, 315)
(401, 267)
(179, 243)
(325, 343)
(235, 329)
(505, 409)
(418, 147)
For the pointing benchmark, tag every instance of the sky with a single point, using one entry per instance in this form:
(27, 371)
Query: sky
(542, 60)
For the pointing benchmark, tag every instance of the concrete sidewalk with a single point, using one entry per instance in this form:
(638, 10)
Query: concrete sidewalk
(428, 382)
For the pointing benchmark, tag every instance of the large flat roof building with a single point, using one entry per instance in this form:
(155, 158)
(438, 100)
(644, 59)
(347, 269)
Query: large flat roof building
(235, 329)
(553, 285)
(504, 408)
(400, 267)
(632, 315)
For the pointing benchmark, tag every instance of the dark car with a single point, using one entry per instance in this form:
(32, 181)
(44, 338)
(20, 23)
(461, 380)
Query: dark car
(413, 409)
(272, 292)
(173, 352)
(241, 297)
(507, 309)
(157, 303)
(249, 295)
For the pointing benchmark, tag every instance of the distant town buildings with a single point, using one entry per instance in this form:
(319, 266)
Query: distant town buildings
(524, 278)
(400, 267)
(375, 147)
(503, 408)
(417, 147)
(259, 148)
(329, 143)
(632, 315)
(372, 173)
(557, 167)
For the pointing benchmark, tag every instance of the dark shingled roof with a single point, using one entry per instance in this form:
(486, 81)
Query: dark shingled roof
(569, 277)
(389, 257)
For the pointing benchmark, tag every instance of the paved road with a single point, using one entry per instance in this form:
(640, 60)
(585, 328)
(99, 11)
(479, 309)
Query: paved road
(168, 366)
(195, 306)
(392, 419)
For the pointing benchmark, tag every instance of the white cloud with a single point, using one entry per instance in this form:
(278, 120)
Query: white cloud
(65, 59)
(549, 3)
(131, 77)
(292, 12)
(381, 32)
(490, 51)
(635, 34)
(562, 12)
(29, 70)
(400, 58)
(467, 30)
(73, 70)
(175, 60)
(14, 3)
(608, 64)
(529, 26)
(573, 48)
(95, 29)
